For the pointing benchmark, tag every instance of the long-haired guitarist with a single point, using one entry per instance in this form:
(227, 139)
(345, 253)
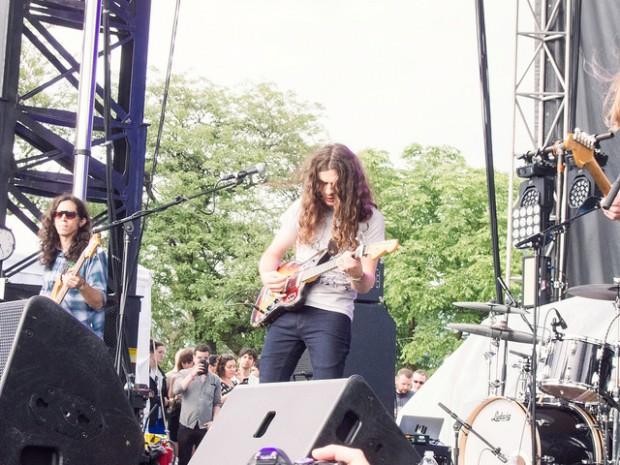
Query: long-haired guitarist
(65, 235)
(335, 213)
(612, 118)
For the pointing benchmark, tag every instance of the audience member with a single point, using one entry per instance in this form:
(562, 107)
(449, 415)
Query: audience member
(213, 363)
(403, 383)
(247, 360)
(418, 379)
(201, 395)
(183, 359)
(158, 390)
(255, 371)
(226, 370)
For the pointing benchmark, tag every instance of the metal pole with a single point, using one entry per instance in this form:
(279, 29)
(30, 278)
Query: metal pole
(488, 144)
(86, 97)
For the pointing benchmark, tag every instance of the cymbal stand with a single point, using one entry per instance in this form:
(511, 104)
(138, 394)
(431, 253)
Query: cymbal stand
(525, 367)
(512, 302)
(489, 356)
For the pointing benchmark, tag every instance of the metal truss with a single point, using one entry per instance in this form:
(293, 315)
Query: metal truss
(542, 90)
(41, 160)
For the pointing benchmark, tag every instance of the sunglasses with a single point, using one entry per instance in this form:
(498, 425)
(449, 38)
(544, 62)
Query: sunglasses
(67, 214)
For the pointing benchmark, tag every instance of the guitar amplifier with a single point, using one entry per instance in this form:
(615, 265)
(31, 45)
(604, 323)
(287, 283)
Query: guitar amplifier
(376, 293)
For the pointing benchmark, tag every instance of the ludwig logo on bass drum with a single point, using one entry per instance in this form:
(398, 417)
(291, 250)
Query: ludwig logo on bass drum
(500, 416)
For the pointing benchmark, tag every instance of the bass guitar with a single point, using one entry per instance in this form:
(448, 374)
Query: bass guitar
(59, 291)
(270, 305)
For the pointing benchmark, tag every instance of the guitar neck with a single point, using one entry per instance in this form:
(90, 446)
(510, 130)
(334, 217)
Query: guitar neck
(316, 271)
(62, 292)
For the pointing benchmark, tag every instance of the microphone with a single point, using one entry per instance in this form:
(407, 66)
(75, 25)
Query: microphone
(239, 175)
(561, 320)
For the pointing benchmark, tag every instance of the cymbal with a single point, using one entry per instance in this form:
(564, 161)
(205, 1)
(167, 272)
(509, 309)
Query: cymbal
(596, 291)
(490, 331)
(488, 307)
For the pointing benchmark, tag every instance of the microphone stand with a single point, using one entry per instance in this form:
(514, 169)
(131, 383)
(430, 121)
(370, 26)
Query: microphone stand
(128, 229)
(537, 242)
(497, 451)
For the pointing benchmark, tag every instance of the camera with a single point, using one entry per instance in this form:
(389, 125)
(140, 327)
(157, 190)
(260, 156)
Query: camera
(275, 456)
(203, 367)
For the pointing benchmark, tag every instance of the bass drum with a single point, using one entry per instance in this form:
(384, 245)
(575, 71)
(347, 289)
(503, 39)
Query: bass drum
(566, 435)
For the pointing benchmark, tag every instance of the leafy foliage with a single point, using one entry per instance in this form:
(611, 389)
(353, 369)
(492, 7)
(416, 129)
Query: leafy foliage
(204, 252)
(438, 209)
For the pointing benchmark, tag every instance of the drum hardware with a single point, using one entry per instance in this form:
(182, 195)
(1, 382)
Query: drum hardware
(500, 331)
(558, 321)
(489, 307)
(459, 425)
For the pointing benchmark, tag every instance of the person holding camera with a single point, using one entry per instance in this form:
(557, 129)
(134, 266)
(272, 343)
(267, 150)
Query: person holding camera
(201, 395)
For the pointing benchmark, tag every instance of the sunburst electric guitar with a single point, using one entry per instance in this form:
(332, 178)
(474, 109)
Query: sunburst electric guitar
(270, 306)
(59, 291)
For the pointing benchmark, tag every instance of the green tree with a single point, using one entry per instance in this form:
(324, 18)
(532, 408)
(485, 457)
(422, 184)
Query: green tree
(437, 207)
(204, 253)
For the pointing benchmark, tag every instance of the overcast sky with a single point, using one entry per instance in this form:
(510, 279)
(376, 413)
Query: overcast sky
(389, 73)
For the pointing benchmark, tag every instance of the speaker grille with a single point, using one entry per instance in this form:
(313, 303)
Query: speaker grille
(10, 316)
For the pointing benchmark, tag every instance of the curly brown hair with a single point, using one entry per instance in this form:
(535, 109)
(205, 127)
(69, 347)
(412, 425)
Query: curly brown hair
(221, 364)
(50, 241)
(612, 104)
(353, 203)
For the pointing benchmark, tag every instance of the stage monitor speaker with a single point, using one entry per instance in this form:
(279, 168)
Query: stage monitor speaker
(372, 354)
(297, 417)
(61, 401)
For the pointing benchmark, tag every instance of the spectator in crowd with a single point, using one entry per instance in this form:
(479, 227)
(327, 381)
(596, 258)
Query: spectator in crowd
(227, 370)
(255, 371)
(183, 359)
(403, 383)
(213, 363)
(201, 395)
(418, 379)
(247, 359)
(158, 389)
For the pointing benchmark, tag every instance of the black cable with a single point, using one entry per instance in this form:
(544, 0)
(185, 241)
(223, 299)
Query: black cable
(164, 104)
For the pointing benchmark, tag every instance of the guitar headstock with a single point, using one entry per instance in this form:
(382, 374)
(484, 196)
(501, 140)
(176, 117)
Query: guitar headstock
(378, 249)
(91, 248)
(582, 145)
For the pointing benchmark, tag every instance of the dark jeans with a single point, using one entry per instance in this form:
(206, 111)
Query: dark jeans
(188, 438)
(327, 335)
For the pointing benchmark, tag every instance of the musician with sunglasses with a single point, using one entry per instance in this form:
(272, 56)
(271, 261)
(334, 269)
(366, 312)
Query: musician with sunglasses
(64, 234)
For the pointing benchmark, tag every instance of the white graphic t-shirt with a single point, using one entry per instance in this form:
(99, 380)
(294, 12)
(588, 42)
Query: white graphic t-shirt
(333, 290)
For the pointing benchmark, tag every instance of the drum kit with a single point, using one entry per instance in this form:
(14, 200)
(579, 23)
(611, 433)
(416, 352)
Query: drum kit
(576, 395)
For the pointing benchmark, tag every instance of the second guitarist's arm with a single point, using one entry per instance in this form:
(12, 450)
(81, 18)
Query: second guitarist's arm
(92, 296)
(92, 282)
